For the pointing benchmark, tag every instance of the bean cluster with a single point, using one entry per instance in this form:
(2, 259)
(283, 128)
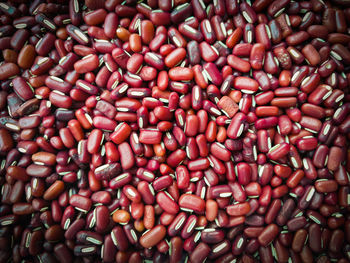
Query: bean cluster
(174, 131)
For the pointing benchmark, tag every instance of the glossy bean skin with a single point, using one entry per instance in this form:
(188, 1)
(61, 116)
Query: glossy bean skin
(200, 253)
(268, 234)
(167, 203)
(192, 202)
(153, 236)
(116, 116)
(8, 70)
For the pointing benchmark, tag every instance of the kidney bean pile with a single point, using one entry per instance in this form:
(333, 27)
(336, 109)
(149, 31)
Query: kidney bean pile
(174, 131)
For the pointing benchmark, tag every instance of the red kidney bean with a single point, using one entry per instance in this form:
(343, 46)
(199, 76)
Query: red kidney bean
(177, 224)
(199, 254)
(22, 209)
(246, 85)
(236, 126)
(87, 237)
(263, 35)
(56, 83)
(167, 203)
(268, 234)
(80, 202)
(86, 64)
(22, 88)
(45, 44)
(192, 202)
(176, 157)
(54, 190)
(336, 241)
(8, 70)
(119, 238)
(326, 186)
(212, 236)
(238, 209)
(276, 31)
(181, 12)
(162, 182)
(85, 250)
(334, 158)
(152, 237)
(238, 63)
(19, 38)
(77, 34)
(189, 227)
(311, 55)
(273, 211)
(257, 55)
(199, 164)
(299, 239)
(314, 237)
(248, 33)
(38, 170)
(234, 38)
(296, 223)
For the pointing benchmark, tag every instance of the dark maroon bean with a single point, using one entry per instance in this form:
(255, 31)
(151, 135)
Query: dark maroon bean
(45, 44)
(74, 228)
(277, 7)
(201, 251)
(19, 38)
(45, 22)
(180, 13)
(265, 254)
(296, 223)
(63, 253)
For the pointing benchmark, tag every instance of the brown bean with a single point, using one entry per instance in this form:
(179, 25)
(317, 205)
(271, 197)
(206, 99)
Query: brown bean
(268, 234)
(121, 216)
(9, 55)
(54, 233)
(6, 141)
(152, 237)
(44, 158)
(26, 57)
(54, 190)
(311, 55)
(22, 209)
(299, 240)
(306, 255)
(17, 173)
